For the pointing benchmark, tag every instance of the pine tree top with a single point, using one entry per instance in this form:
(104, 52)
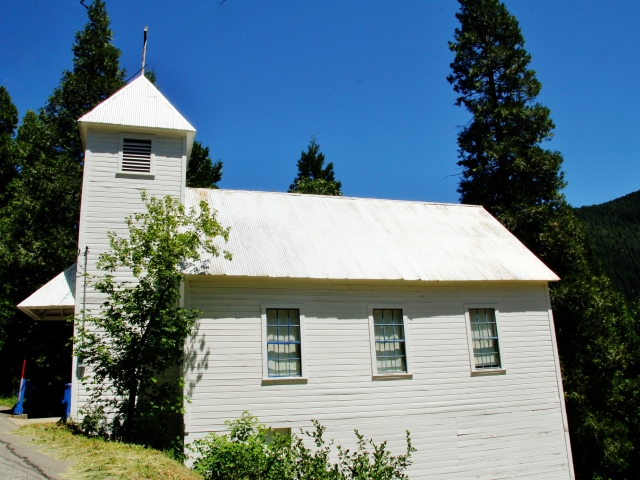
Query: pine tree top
(96, 75)
(313, 176)
(491, 63)
(503, 164)
(311, 164)
(8, 115)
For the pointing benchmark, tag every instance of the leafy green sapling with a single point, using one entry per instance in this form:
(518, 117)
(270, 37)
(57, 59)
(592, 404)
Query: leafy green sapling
(138, 335)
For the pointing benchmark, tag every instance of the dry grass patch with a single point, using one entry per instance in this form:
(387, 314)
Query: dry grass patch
(95, 458)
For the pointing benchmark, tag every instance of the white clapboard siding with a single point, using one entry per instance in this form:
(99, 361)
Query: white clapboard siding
(107, 199)
(495, 426)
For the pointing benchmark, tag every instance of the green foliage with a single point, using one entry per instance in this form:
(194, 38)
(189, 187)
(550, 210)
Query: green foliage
(8, 171)
(96, 75)
(151, 76)
(39, 219)
(316, 187)
(614, 229)
(8, 116)
(247, 454)
(505, 169)
(139, 334)
(243, 454)
(8, 124)
(40, 191)
(38, 239)
(8, 401)
(373, 461)
(313, 177)
(40, 203)
(202, 172)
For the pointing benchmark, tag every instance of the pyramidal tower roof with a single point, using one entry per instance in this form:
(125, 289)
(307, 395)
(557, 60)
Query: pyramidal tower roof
(138, 104)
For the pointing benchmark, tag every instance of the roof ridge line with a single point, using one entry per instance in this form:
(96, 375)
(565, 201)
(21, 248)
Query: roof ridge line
(338, 197)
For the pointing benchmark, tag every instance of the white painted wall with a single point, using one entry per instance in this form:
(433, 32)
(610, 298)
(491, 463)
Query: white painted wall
(498, 426)
(108, 199)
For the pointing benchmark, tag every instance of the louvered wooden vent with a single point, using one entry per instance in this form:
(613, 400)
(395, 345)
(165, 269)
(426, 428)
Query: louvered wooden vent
(136, 155)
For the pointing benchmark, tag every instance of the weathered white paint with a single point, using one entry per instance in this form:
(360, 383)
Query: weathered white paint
(464, 426)
(316, 236)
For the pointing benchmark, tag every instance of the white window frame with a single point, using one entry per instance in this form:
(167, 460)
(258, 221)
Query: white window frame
(152, 166)
(372, 341)
(467, 320)
(266, 379)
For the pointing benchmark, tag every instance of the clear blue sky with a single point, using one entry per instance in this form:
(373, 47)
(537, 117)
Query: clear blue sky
(257, 78)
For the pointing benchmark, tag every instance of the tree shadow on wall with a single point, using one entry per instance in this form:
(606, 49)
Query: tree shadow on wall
(196, 360)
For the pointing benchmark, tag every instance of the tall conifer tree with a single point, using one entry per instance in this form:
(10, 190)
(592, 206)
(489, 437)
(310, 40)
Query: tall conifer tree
(8, 124)
(313, 177)
(506, 169)
(202, 172)
(96, 75)
(8, 171)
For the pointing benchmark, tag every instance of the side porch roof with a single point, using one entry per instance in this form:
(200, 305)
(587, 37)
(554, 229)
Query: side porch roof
(55, 300)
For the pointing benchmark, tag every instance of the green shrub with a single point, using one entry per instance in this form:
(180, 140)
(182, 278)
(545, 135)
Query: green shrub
(246, 454)
(8, 401)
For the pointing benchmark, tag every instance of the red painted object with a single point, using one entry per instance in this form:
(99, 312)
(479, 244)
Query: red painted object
(18, 410)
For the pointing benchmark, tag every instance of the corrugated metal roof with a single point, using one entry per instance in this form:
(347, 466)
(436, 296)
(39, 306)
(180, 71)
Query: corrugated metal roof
(313, 236)
(53, 298)
(138, 104)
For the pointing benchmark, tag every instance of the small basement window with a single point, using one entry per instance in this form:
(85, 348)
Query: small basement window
(136, 155)
(388, 325)
(271, 433)
(484, 335)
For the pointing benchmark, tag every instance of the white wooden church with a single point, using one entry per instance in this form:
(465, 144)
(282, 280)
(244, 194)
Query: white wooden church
(380, 315)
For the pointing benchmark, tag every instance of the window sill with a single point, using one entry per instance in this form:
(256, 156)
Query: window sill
(393, 376)
(493, 371)
(284, 380)
(149, 176)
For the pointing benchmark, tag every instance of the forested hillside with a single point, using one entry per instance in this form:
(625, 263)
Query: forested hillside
(614, 228)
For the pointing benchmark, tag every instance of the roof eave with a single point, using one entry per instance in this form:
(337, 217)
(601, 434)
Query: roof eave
(85, 125)
(29, 312)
